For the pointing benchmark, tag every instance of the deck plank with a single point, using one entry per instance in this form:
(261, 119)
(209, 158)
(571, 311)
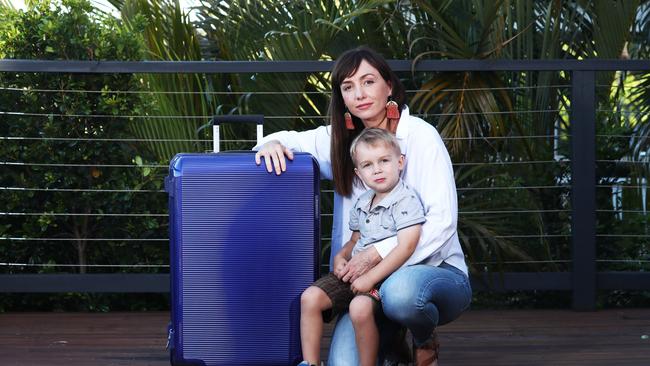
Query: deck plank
(504, 337)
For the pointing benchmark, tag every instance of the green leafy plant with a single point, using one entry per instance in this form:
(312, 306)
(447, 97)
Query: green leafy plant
(70, 131)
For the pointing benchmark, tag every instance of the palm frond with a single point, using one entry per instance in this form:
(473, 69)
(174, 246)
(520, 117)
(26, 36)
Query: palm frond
(271, 30)
(6, 4)
(175, 98)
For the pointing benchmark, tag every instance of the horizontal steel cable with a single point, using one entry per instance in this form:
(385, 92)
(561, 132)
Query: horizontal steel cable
(10, 264)
(18, 264)
(67, 139)
(90, 190)
(526, 262)
(523, 236)
(69, 165)
(624, 161)
(82, 190)
(618, 111)
(619, 186)
(625, 211)
(323, 191)
(15, 264)
(84, 239)
(159, 166)
(508, 236)
(512, 162)
(510, 188)
(623, 260)
(83, 214)
(323, 92)
(493, 212)
(617, 136)
(508, 212)
(206, 117)
(622, 235)
(325, 238)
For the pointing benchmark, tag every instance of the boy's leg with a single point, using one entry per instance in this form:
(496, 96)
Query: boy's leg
(362, 314)
(312, 304)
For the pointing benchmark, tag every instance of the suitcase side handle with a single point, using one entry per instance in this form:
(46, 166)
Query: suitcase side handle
(230, 118)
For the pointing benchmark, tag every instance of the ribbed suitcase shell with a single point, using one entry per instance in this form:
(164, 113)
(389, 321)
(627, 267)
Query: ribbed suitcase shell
(244, 245)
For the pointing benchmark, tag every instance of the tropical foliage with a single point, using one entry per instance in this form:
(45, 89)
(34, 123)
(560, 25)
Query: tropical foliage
(69, 153)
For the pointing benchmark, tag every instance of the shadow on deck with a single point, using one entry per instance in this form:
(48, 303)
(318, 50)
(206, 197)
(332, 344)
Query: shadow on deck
(485, 337)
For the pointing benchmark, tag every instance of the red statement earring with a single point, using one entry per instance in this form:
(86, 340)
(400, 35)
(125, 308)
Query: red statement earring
(348, 121)
(392, 112)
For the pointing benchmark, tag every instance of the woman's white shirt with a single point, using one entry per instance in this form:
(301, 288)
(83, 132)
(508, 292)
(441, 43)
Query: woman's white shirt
(428, 170)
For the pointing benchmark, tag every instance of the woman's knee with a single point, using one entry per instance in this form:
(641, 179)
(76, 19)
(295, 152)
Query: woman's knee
(399, 299)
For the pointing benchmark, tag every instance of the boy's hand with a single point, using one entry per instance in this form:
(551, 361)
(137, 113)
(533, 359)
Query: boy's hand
(339, 266)
(362, 285)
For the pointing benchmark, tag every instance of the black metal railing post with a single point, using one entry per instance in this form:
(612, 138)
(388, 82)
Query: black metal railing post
(583, 193)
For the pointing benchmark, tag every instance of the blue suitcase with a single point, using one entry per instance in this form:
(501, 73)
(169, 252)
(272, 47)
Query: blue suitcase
(244, 244)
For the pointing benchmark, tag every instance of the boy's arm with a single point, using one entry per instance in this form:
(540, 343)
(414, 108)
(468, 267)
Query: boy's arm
(407, 240)
(343, 256)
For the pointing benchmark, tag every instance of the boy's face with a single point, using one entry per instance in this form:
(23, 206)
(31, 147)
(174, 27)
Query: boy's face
(378, 166)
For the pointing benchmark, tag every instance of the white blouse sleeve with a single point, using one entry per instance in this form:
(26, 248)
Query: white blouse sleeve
(316, 142)
(432, 176)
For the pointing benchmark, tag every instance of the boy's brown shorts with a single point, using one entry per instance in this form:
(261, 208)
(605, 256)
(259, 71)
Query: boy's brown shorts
(341, 295)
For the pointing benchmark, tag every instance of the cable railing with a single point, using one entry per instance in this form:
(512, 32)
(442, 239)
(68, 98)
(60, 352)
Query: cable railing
(207, 117)
(567, 184)
(252, 92)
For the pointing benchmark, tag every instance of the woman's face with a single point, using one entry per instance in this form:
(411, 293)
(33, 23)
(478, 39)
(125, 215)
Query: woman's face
(365, 94)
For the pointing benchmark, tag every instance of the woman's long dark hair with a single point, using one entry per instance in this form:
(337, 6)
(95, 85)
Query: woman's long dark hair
(346, 65)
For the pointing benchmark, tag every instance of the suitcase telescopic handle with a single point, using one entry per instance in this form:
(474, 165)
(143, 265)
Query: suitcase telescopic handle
(258, 119)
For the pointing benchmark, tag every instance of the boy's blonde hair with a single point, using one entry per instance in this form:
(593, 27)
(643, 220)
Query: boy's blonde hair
(373, 136)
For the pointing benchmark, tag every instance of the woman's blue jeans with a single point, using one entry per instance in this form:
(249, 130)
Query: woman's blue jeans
(420, 297)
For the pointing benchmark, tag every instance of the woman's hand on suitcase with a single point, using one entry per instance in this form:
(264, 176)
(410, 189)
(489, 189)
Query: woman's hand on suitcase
(274, 154)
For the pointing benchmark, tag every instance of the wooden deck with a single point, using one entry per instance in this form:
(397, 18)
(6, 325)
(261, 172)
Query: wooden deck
(510, 337)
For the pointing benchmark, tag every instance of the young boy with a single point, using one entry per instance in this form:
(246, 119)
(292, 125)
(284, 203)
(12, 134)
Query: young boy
(387, 209)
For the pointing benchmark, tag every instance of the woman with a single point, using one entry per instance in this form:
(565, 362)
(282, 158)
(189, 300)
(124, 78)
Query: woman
(433, 288)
